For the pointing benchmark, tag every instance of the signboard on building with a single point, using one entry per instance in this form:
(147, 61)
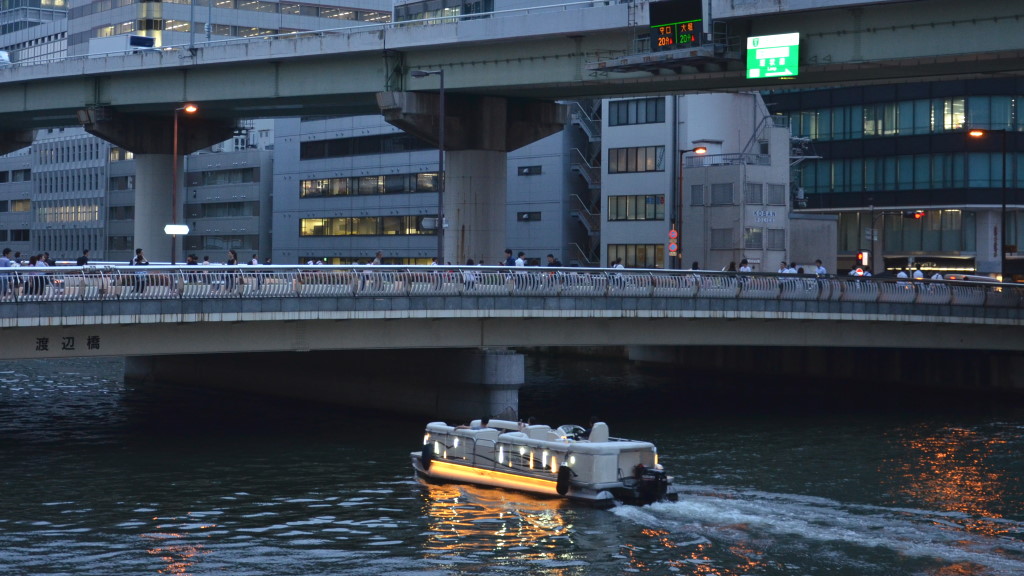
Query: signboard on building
(676, 24)
(773, 56)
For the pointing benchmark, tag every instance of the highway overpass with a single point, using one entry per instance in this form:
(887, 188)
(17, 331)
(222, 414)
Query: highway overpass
(552, 52)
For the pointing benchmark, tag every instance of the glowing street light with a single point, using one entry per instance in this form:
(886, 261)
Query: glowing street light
(173, 229)
(677, 221)
(979, 133)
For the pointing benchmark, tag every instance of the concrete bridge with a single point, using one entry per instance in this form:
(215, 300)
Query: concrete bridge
(239, 327)
(223, 309)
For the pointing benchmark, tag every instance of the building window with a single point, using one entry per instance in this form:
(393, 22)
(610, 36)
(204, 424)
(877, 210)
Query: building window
(361, 146)
(948, 114)
(696, 195)
(122, 183)
(753, 238)
(721, 193)
(119, 154)
(776, 239)
(364, 226)
(721, 239)
(644, 111)
(777, 194)
(121, 212)
(368, 185)
(222, 210)
(638, 255)
(21, 175)
(3, 206)
(753, 193)
(649, 207)
(120, 242)
(639, 159)
(528, 216)
(23, 205)
(529, 171)
(19, 236)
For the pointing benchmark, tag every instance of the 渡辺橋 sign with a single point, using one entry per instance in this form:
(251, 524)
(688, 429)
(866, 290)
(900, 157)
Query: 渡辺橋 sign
(773, 56)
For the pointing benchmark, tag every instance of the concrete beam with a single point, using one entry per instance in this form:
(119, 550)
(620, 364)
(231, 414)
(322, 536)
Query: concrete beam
(148, 134)
(473, 122)
(11, 140)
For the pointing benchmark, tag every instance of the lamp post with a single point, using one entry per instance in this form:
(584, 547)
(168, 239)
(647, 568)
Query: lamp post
(440, 158)
(677, 221)
(173, 230)
(979, 133)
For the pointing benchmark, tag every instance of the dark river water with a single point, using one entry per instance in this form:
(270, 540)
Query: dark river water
(97, 477)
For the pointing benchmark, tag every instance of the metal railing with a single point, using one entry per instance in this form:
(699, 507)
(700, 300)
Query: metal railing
(578, 162)
(72, 283)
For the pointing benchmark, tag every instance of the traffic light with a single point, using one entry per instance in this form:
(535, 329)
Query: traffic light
(864, 257)
(915, 214)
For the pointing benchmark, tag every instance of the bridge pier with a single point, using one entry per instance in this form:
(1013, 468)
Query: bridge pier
(479, 133)
(450, 384)
(152, 140)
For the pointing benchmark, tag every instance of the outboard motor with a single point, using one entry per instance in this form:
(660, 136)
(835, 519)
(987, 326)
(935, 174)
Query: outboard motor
(651, 483)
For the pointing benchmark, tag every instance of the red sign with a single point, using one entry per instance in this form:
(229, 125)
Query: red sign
(673, 234)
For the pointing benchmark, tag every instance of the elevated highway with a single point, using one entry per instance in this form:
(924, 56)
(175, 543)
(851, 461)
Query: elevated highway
(548, 53)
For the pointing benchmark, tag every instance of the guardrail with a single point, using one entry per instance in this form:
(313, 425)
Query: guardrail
(73, 283)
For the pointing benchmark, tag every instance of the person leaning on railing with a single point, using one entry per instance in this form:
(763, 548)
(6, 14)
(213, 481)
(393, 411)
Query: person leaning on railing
(5, 275)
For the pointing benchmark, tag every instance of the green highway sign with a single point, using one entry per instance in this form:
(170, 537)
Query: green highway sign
(773, 56)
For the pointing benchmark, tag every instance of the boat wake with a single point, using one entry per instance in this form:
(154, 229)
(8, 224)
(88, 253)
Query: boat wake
(836, 533)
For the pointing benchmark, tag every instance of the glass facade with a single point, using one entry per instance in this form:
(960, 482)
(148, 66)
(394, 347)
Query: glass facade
(879, 150)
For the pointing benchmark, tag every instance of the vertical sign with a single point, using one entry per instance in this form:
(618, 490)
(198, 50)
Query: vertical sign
(773, 56)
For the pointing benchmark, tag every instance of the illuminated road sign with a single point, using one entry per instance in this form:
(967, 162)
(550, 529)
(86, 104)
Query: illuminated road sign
(773, 56)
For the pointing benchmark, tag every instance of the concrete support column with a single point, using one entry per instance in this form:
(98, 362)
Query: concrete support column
(486, 384)
(153, 205)
(988, 238)
(479, 132)
(455, 385)
(475, 198)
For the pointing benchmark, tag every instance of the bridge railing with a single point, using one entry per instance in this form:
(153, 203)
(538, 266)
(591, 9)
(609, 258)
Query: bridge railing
(73, 283)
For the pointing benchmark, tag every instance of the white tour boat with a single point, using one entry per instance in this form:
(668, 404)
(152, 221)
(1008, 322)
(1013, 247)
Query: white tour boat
(564, 462)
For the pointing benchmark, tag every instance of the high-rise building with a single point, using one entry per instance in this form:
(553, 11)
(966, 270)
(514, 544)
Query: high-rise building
(908, 182)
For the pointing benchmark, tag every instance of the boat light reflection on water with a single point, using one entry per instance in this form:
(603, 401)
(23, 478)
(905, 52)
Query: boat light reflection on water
(952, 473)
(463, 520)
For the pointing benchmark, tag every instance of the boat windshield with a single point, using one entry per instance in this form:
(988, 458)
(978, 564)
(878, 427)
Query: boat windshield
(572, 431)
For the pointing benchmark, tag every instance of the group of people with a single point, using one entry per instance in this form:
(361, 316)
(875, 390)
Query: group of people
(36, 282)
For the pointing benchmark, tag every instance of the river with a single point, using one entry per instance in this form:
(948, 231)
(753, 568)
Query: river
(100, 478)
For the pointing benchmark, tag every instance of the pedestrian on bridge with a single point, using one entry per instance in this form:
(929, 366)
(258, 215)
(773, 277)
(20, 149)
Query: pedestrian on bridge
(5, 281)
(140, 276)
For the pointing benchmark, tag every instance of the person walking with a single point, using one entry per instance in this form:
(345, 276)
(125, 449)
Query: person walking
(229, 278)
(140, 276)
(83, 260)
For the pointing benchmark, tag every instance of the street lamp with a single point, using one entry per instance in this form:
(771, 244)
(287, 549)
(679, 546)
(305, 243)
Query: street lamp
(677, 221)
(440, 159)
(175, 229)
(979, 133)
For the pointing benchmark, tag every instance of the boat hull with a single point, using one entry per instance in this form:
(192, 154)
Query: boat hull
(604, 496)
